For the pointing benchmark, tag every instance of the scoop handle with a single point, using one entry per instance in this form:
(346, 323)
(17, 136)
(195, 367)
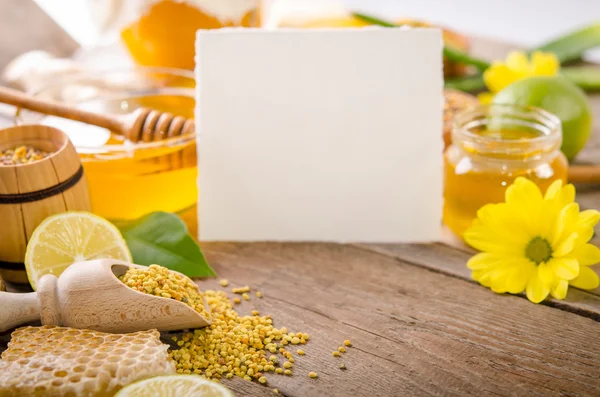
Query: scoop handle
(17, 309)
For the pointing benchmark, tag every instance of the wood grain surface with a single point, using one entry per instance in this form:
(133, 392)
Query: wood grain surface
(419, 325)
(414, 331)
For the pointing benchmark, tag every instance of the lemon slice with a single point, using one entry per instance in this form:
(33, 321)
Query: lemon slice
(175, 386)
(70, 237)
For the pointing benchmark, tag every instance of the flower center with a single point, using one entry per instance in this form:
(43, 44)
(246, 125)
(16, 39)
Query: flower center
(538, 250)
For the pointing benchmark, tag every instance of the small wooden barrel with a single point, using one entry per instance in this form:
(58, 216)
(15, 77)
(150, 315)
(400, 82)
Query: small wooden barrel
(29, 193)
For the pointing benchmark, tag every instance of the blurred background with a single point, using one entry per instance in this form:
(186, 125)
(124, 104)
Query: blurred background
(525, 22)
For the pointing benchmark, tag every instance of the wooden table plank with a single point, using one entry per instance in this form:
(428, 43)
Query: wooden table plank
(415, 332)
(451, 260)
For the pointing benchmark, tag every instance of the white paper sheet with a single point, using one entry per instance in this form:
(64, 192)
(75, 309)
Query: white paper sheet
(319, 135)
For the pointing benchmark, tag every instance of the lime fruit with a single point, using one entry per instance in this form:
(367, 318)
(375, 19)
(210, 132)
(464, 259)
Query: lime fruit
(559, 97)
(175, 386)
(63, 239)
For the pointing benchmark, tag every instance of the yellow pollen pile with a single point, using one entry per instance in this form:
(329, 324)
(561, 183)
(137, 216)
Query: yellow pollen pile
(233, 345)
(160, 281)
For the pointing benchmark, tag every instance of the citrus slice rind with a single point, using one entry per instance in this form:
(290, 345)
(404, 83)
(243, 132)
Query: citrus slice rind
(63, 239)
(175, 386)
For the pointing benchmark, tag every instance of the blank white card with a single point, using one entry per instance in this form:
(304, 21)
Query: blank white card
(319, 135)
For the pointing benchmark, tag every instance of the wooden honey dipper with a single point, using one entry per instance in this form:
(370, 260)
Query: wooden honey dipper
(143, 124)
(89, 295)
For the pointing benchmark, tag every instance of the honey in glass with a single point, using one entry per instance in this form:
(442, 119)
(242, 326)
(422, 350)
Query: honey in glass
(128, 180)
(165, 31)
(492, 146)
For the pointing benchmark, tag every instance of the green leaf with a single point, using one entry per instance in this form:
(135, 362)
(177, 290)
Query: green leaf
(586, 77)
(571, 46)
(466, 83)
(450, 53)
(162, 238)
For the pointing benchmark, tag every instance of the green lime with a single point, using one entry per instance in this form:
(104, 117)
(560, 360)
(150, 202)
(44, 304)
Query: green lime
(560, 97)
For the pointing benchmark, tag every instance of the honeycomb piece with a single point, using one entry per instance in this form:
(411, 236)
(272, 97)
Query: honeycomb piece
(60, 361)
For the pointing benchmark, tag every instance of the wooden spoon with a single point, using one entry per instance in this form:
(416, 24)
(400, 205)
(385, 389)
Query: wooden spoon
(143, 124)
(89, 295)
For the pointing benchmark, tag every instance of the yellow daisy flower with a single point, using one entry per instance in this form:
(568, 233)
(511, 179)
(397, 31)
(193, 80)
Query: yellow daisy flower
(534, 243)
(517, 66)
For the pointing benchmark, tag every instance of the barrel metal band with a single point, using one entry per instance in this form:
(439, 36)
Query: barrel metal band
(11, 265)
(44, 193)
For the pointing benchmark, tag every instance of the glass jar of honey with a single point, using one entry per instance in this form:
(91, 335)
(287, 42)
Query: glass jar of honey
(163, 32)
(128, 180)
(492, 146)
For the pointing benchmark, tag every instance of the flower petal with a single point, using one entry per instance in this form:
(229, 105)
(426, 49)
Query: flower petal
(587, 279)
(588, 218)
(565, 246)
(559, 290)
(487, 239)
(519, 277)
(498, 76)
(523, 193)
(488, 260)
(559, 195)
(544, 64)
(517, 61)
(553, 190)
(546, 273)
(567, 268)
(586, 255)
(536, 290)
(564, 224)
(485, 98)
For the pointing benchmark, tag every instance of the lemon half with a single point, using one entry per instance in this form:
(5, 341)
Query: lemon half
(175, 386)
(63, 239)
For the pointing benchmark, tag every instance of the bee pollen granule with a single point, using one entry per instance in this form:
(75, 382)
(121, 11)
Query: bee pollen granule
(232, 345)
(160, 281)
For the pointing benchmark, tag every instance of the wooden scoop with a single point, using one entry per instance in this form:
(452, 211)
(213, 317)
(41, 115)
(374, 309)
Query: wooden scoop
(89, 295)
(142, 124)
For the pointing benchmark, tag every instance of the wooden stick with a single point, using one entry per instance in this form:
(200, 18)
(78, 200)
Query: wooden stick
(19, 99)
(584, 174)
(141, 124)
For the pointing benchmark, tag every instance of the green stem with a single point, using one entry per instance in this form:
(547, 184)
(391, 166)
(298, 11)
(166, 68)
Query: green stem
(586, 77)
(467, 83)
(374, 20)
(450, 53)
(570, 47)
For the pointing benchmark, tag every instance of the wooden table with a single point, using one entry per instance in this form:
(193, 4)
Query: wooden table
(419, 325)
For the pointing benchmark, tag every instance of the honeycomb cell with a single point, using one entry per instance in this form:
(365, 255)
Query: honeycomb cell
(51, 360)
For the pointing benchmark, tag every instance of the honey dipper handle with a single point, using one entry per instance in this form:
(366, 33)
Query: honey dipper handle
(22, 100)
(17, 309)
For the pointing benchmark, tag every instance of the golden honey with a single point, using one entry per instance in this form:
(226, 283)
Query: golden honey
(128, 180)
(492, 146)
(127, 185)
(164, 34)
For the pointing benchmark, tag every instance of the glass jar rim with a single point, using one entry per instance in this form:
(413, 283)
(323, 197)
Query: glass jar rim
(98, 73)
(537, 118)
